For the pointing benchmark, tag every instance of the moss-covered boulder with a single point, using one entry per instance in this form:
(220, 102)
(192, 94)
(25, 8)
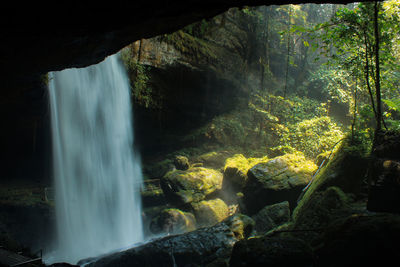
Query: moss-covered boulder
(271, 252)
(236, 168)
(319, 211)
(192, 185)
(181, 163)
(213, 159)
(173, 221)
(210, 212)
(279, 179)
(271, 217)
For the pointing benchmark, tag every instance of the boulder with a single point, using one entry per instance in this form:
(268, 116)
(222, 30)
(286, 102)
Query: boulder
(279, 179)
(198, 248)
(210, 212)
(271, 252)
(235, 171)
(193, 185)
(271, 217)
(319, 210)
(214, 159)
(181, 163)
(173, 221)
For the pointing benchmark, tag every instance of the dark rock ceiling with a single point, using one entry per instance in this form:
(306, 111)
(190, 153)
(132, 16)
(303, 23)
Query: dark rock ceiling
(37, 38)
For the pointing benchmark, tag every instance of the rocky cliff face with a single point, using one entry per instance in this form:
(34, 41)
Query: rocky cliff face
(193, 75)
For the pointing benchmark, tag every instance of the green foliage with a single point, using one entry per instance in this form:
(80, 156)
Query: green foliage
(313, 136)
(349, 41)
(275, 125)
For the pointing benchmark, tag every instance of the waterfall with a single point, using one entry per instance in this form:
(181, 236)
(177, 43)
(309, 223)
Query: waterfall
(96, 172)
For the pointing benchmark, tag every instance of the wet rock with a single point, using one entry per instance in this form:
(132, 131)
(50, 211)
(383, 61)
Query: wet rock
(181, 163)
(173, 221)
(192, 185)
(198, 248)
(271, 217)
(210, 212)
(277, 180)
(271, 252)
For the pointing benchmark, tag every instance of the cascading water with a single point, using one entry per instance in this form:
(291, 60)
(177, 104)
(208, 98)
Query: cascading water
(97, 174)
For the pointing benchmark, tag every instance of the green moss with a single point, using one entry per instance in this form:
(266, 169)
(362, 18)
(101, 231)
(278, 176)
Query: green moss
(297, 163)
(193, 184)
(210, 212)
(236, 168)
(237, 162)
(192, 46)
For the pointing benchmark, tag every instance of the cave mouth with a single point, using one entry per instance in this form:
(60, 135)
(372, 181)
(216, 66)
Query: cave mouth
(248, 137)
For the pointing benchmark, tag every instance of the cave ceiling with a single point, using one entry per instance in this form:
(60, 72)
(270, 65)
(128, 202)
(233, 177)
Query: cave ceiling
(39, 38)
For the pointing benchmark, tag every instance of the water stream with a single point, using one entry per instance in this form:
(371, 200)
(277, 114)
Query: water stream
(96, 172)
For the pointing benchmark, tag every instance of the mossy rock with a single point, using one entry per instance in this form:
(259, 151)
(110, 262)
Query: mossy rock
(210, 212)
(271, 217)
(344, 174)
(192, 185)
(173, 221)
(279, 179)
(181, 163)
(236, 168)
(213, 159)
(323, 208)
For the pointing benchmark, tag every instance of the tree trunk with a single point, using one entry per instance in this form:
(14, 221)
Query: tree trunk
(377, 72)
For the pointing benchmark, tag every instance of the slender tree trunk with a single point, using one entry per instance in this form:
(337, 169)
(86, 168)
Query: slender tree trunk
(288, 53)
(377, 72)
(353, 125)
(367, 76)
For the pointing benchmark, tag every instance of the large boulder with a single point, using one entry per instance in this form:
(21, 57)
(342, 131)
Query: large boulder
(236, 168)
(277, 180)
(173, 221)
(198, 248)
(210, 212)
(271, 217)
(271, 252)
(192, 185)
